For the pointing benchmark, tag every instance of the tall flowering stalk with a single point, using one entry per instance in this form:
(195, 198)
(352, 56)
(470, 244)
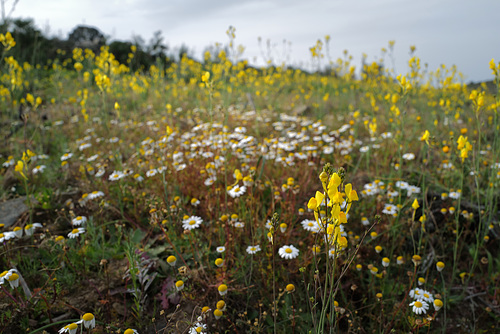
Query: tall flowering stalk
(330, 208)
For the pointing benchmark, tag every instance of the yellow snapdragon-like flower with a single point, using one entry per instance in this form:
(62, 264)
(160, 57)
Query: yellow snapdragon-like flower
(20, 169)
(316, 201)
(461, 142)
(425, 137)
(464, 147)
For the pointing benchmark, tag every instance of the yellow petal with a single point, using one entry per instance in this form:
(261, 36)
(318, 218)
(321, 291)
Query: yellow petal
(312, 205)
(319, 198)
(348, 189)
(336, 212)
(342, 242)
(334, 181)
(353, 196)
(332, 192)
(342, 217)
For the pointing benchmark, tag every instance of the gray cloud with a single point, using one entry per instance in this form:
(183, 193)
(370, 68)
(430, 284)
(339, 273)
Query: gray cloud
(458, 32)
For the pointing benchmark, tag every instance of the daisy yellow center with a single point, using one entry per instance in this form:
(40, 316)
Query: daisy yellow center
(198, 329)
(426, 295)
(88, 317)
(252, 249)
(310, 224)
(75, 231)
(78, 218)
(236, 189)
(13, 277)
(288, 250)
(192, 222)
(4, 273)
(18, 228)
(418, 304)
(72, 326)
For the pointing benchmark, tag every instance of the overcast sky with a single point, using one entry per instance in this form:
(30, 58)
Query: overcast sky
(461, 32)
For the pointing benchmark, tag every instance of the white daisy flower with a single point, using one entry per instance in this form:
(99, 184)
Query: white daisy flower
(269, 224)
(179, 167)
(80, 220)
(13, 279)
(237, 191)
(419, 307)
(192, 222)
(454, 195)
(88, 321)
(39, 169)
(393, 194)
(18, 232)
(30, 228)
(412, 190)
(220, 249)
(7, 236)
(409, 156)
(116, 175)
(332, 253)
(288, 252)
(402, 184)
(310, 225)
(198, 328)
(84, 146)
(364, 149)
(426, 296)
(95, 194)
(66, 156)
(76, 232)
(9, 162)
(208, 182)
(151, 172)
(253, 249)
(6, 275)
(390, 209)
(71, 328)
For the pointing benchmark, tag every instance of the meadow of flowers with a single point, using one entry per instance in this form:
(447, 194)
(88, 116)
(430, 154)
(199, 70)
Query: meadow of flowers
(214, 197)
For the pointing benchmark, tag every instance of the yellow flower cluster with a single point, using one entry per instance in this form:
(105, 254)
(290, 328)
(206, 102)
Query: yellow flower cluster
(22, 164)
(337, 201)
(464, 147)
(7, 40)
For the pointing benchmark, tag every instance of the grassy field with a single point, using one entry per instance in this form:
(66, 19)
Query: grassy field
(219, 198)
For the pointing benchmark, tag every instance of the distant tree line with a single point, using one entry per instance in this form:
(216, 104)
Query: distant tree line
(34, 47)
